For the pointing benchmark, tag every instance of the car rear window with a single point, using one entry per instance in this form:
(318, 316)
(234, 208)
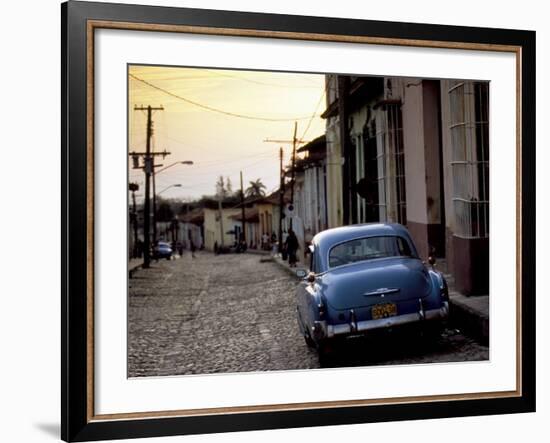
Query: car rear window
(367, 249)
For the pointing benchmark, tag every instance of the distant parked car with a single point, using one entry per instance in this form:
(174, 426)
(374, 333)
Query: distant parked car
(162, 250)
(364, 278)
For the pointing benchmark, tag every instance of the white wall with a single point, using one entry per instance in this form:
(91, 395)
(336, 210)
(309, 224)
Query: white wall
(414, 146)
(30, 284)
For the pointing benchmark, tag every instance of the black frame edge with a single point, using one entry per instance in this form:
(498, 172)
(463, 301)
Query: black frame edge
(74, 243)
(74, 425)
(528, 208)
(64, 221)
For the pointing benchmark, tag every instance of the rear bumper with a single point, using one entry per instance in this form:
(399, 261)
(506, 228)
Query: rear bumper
(323, 330)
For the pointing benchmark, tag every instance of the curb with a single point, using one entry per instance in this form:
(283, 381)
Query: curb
(257, 252)
(133, 269)
(470, 319)
(283, 264)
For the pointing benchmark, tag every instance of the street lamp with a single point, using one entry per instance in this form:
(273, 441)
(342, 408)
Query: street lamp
(177, 185)
(185, 162)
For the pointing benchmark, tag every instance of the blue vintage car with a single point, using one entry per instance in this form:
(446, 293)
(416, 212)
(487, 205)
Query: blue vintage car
(364, 278)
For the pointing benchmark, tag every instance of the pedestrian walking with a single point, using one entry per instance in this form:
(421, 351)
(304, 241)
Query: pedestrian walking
(292, 248)
(193, 249)
(284, 251)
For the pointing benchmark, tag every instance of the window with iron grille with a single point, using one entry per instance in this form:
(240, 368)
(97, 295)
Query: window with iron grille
(469, 129)
(380, 161)
(394, 143)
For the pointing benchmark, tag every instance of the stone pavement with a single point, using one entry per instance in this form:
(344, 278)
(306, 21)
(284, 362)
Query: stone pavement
(214, 313)
(236, 312)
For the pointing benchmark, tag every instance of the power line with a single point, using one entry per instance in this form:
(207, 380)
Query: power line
(313, 115)
(219, 111)
(257, 82)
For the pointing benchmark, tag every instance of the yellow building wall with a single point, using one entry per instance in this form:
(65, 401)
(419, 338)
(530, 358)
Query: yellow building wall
(212, 227)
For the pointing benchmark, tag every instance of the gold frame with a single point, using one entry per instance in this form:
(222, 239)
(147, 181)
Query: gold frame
(92, 25)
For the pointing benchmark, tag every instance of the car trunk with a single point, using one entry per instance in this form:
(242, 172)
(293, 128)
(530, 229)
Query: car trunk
(369, 283)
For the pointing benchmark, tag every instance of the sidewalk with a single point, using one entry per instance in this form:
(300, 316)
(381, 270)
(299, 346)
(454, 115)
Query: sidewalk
(284, 264)
(470, 314)
(134, 264)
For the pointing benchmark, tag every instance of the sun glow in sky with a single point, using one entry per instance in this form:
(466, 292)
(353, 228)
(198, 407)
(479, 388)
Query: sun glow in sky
(221, 143)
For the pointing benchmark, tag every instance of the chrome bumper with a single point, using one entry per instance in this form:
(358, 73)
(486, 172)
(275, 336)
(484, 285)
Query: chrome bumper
(322, 330)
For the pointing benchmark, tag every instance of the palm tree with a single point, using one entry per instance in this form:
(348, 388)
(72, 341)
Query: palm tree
(256, 189)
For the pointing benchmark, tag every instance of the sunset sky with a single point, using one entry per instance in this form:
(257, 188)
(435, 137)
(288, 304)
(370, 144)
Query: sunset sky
(220, 143)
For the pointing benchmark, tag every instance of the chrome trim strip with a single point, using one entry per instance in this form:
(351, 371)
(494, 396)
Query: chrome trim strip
(368, 325)
(382, 291)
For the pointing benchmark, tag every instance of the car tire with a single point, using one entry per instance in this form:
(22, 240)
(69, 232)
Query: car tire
(309, 341)
(325, 354)
(432, 333)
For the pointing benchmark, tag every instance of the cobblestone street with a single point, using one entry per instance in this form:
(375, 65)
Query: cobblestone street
(236, 313)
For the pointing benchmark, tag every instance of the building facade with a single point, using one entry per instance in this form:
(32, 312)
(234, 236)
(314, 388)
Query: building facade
(221, 227)
(415, 152)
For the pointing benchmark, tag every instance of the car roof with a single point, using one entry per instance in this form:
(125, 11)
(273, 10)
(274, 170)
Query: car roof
(325, 240)
(343, 233)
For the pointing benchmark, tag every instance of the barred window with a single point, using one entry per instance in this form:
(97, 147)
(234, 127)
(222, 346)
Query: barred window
(380, 162)
(391, 165)
(469, 128)
(394, 141)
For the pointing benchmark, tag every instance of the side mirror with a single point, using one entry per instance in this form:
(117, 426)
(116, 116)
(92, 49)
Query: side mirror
(301, 273)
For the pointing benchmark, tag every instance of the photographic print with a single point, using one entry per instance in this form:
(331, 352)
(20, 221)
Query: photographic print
(298, 235)
(294, 221)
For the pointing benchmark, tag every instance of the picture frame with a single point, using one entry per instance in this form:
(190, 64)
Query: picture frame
(80, 20)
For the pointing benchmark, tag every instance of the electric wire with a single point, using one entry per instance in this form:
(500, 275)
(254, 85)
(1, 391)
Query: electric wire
(212, 109)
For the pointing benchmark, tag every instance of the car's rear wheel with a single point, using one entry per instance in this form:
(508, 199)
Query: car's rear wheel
(325, 353)
(432, 332)
(308, 339)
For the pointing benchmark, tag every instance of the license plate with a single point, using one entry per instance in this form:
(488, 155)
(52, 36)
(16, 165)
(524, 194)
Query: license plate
(384, 310)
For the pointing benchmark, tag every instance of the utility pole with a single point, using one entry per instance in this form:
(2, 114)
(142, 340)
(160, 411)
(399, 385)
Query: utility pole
(294, 142)
(154, 205)
(281, 200)
(242, 210)
(154, 175)
(148, 159)
(133, 187)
